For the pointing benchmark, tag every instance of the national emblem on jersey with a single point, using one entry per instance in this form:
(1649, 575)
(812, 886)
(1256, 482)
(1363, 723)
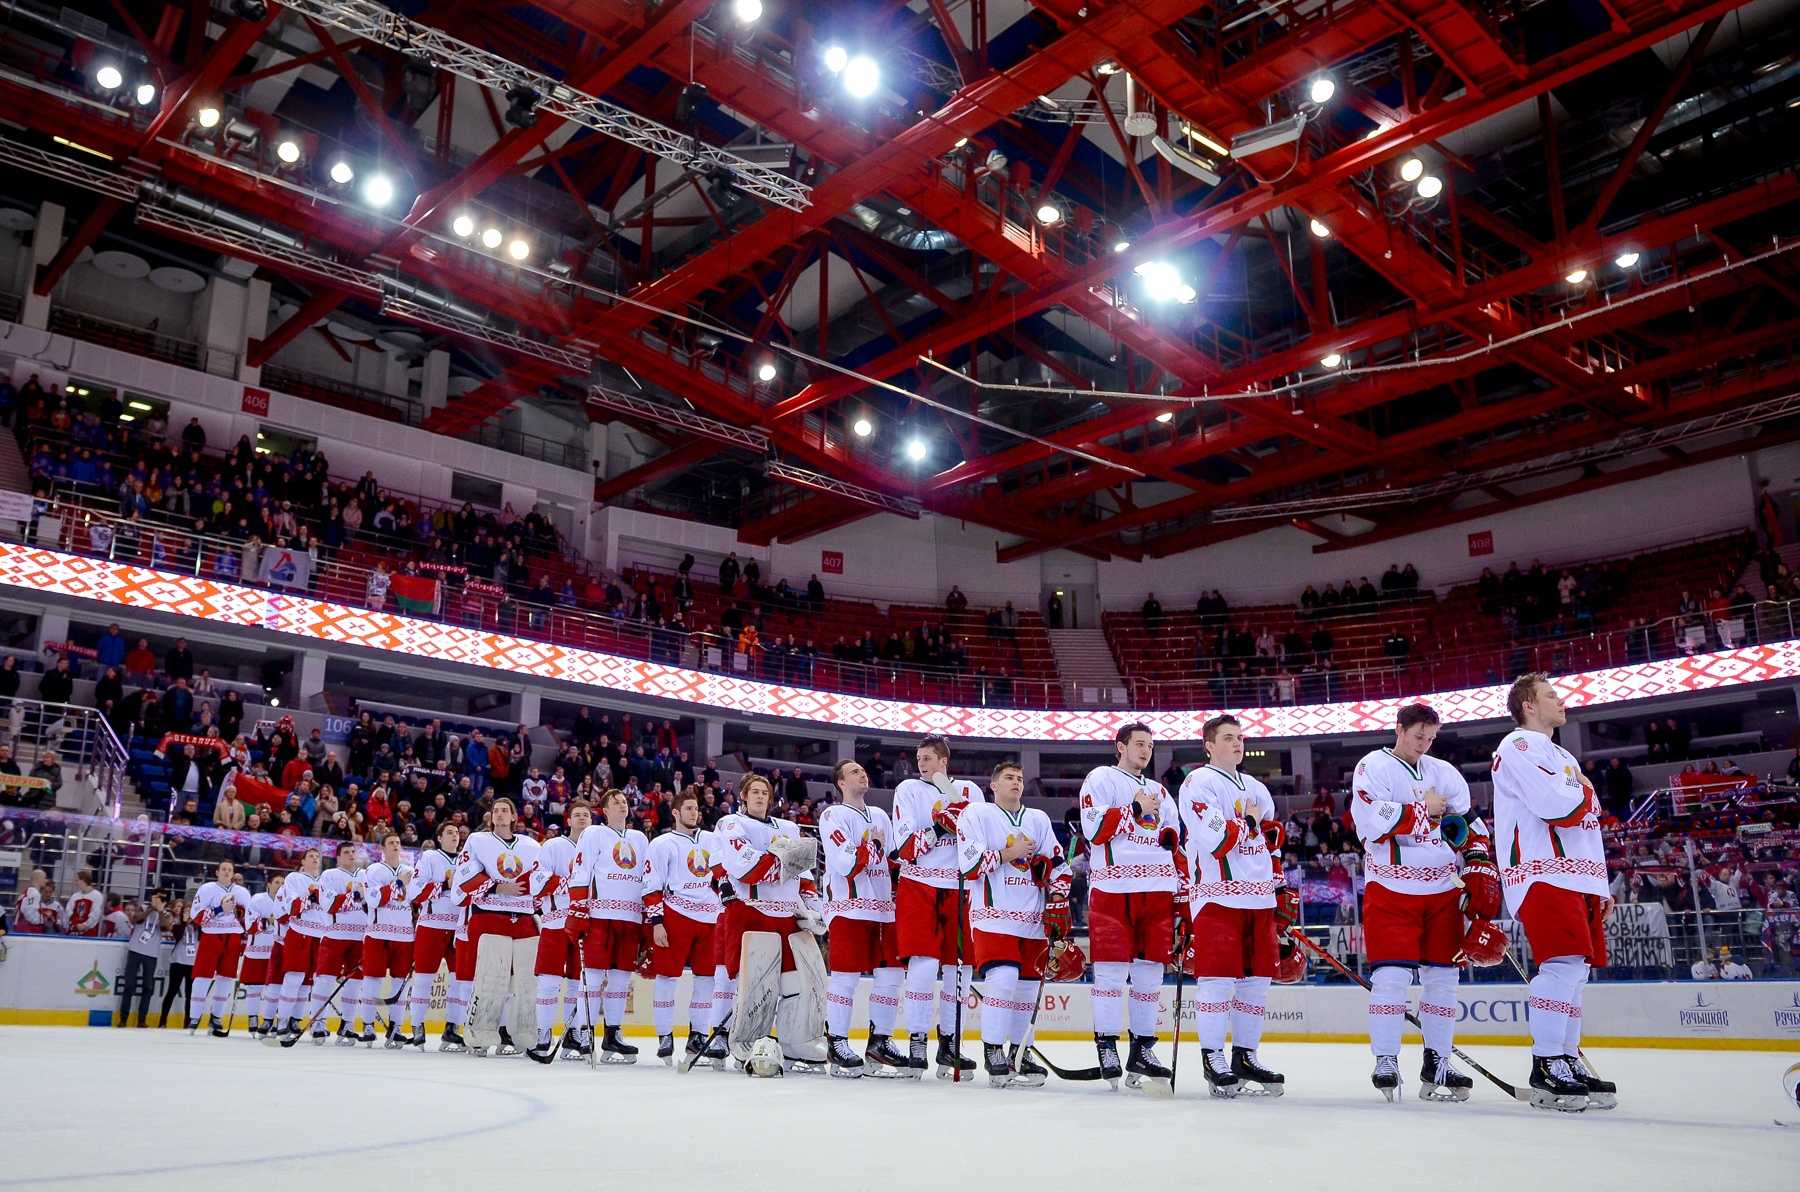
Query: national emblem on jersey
(1022, 864)
(509, 867)
(698, 863)
(624, 856)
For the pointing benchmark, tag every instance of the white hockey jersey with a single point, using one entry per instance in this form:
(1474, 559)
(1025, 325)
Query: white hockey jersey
(755, 872)
(386, 886)
(86, 913)
(1546, 820)
(1228, 861)
(550, 881)
(1128, 856)
(609, 873)
(218, 910)
(33, 915)
(300, 896)
(487, 861)
(345, 896)
(265, 917)
(858, 881)
(1405, 852)
(926, 856)
(1004, 897)
(432, 890)
(680, 875)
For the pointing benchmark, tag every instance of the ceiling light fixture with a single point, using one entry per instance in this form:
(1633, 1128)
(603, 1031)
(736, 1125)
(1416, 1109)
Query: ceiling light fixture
(863, 428)
(748, 12)
(1576, 276)
(1166, 417)
(146, 94)
(379, 191)
(1121, 245)
(1430, 186)
(765, 372)
(518, 250)
(1049, 214)
(491, 238)
(521, 106)
(915, 450)
(1627, 259)
(341, 173)
(1321, 90)
(463, 226)
(1332, 359)
(862, 76)
(109, 78)
(836, 58)
(288, 151)
(1319, 229)
(1411, 170)
(207, 117)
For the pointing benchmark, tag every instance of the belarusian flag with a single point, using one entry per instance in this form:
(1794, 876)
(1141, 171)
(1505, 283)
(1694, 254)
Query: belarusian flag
(415, 594)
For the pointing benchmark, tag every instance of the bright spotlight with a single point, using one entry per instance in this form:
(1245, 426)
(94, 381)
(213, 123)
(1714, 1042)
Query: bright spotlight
(518, 250)
(341, 173)
(1048, 214)
(1166, 417)
(1332, 360)
(288, 151)
(1185, 294)
(1576, 276)
(1322, 89)
(915, 450)
(109, 78)
(765, 372)
(862, 76)
(1430, 186)
(491, 238)
(747, 11)
(208, 117)
(463, 226)
(1161, 281)
(863, 428)
(1319, 229)
(836, 58)
(1121, 245)
(146, 94)
(379, 191)
(1411, 169)
(1626, 259)
(961, 143)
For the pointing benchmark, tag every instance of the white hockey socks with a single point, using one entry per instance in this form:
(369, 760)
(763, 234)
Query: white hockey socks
(1109, 995)
(456, 1001)
(549, 992)
(1387, 1007)
(1146, 996)
(571, 1004)
(1572, 1035)
(921, 982)
(884, 1000)
(724, 997)
(1437, 1006)
(419, 1003)
(372, 1000)
(221, 997)
(662, 1004)
(700, 1004)
(840, 1000)
(270, 1009)
(198, 995)
(350, 1003)
(1247, 1011)
(596, 991)
(292, 999)
(253, 1000)
(999, 1002)
(618, 991)
(1552, 1004)
(1212, 1010)
(954, 992)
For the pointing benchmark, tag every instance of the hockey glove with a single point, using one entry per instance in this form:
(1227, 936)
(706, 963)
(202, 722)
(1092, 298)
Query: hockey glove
(576, 926)
(1455, 831)
(1274, 835)
(1287, 908)
(944, 818)
(1290, 967)
(1484, 945)
(1040, 871)
(1481, 885)
(1056, 916)
(1169, 838)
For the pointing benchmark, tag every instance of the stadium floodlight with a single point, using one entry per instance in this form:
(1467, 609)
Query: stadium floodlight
(1332, 359)
(1411, 170)
(342, 174)
(862, 76)
(518, 250)
(379, 191)
(463, 226)
(1627, 259)
(836, 58)
(1319, 229)
(863, 428)
(915, 450)
(1576, 276)
(1430, 186)
(1321, 90)
(109, 78)
(748, 12)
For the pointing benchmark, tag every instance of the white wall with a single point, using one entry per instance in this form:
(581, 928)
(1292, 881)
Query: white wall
(895, 560)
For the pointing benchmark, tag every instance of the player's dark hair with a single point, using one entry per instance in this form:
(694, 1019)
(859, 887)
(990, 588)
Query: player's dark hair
(937, 745)
(1211, 728)
(689, 794)
(446, 825)
(1416, 714)
(837, 772)
(1125, 731)
(388, 835)
(1524, 691)
(347, 844)
(1003, 767)
(750, 779)
(86, 875)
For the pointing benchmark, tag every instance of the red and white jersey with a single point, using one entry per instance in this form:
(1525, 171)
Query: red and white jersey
(550, 881)
(31, 911)
(755, 872)
(386, 888)
(680, 875)
(1405, 850)
(1546, 819)
(345, 895)
(858, 881)
(1127, 855)
(1228, 860)
(118, 926)
(432, 890)
(487, 861)
(300, 898)
(926, 856)
(87, 913)
(220, 910)
(1004, 897)
(609, 873)
(265, 917)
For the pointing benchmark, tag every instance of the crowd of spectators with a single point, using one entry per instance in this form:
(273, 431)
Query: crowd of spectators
(1360, 597)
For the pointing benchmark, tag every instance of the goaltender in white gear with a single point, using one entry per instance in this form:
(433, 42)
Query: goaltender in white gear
(493, 876)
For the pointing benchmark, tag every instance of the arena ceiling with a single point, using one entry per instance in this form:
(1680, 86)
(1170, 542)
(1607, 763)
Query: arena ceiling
(1122, 277)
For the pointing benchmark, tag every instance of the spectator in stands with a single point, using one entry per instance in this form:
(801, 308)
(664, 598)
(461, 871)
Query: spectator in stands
(110, 649)
(58, 684)
(193, 436)
(1053, 611)
(140, 663)
(956, 602)
(1152, 615)
(1619, 784)
(1322, 644)
(178, 707)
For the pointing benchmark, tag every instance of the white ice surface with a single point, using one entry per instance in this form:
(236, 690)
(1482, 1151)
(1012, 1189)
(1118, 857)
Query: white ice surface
(101, 1108)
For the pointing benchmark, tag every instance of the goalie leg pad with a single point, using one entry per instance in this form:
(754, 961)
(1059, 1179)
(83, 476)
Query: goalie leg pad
(487, 996)
(521, 1018)
(800, 1017)
(758, 991)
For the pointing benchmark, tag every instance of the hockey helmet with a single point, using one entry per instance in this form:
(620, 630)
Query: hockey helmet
(1067, 961)
(765, 1058)
(1484, 945)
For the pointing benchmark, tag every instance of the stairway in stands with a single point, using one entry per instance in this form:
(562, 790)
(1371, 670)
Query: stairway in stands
(1084, 662)
(1752, 577)
(15, 476)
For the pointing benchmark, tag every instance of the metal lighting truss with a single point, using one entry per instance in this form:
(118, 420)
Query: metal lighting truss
(654, 411)
(1742, 418)
(261, 248)
(51, 165)
(381, 25)
(571, 359)
(774, 469)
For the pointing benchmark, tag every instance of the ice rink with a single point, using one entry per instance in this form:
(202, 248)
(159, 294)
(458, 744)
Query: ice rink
(160, 1109)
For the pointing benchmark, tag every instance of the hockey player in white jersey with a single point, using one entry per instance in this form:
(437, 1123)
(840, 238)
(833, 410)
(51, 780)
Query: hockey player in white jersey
(1018, 886)
(1553, 871)
(931, 911)
(682, 910)
(493, 879)
(611, 859)
(307, 922)
(388, 943)
(221, 910)
(559, 955)
(258, 972)
(86, 912)
(437, 914)
(1232, 840)
(1402, 799)
(344, 895)
(1133, 831)
(856, 840)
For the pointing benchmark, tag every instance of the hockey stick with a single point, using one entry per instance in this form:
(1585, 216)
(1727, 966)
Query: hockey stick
(956, 1039)
(231, 1007)
(1510, 1090)
(275, 1041)
(587, 1009)
(687, 1062)
(1175, 1052)
(1060, 1073)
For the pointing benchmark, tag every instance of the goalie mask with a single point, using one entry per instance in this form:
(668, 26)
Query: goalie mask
(765, 1058)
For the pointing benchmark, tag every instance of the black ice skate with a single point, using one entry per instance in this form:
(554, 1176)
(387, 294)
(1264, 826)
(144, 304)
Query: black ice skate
(347, 1036)
(918, 1055)
(576, 1045)
(1141, 1065)
(1554, 1086)
(1107, 1047)
(218, 1029)
(192, 1023)
(320, 1035)
(1602, 1094)
(952, 1064)
(395, 1039)
(545, 1051)
(507, 1048)
(1027, 1072)
(418, 1038)
(840, 1060)
(1253, 1079)
(614, 1049)
(882, 1058)
(452, 1039)
(1221, 1081)
(696, 1047)
(1386, 1076)
(367, 1038)
(999, 1071)
(1438, 1081)
(665, 1049)
(718, 1051)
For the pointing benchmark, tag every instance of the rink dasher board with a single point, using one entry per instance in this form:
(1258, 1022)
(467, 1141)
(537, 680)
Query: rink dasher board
(74, 982)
